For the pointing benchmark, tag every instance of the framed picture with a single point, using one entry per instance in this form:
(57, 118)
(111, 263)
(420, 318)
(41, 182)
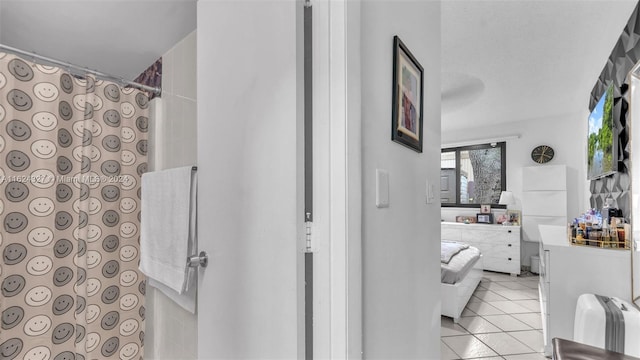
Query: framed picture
(466, 219)
(407, 104)
(485, 209)
(484, 218)
(514, 216)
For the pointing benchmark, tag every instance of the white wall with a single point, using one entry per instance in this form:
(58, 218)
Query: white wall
(401, 275)
(171, 332)
(248, 209)
(566, 134)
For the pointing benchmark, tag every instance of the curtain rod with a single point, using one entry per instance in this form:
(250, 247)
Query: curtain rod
(480, 141)
(67, 65)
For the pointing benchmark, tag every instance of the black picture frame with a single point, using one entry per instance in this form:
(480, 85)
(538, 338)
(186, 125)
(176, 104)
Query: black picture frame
(484, 218)
(407, 107)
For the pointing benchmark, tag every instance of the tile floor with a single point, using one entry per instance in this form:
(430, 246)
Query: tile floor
(501, 321)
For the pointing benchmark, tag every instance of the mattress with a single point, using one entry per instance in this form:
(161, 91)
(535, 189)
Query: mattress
(459, 265)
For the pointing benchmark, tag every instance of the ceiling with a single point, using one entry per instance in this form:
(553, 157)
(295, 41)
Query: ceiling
(502, 61)
(118, 37)
(509, 61)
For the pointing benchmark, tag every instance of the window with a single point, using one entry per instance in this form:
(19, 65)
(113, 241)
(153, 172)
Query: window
(473, 175)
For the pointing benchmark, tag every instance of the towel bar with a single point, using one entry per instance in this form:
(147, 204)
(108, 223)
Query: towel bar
(201, 260)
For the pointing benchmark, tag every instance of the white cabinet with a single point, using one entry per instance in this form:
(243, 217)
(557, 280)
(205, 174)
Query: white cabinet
(544, 198)
(568, 271)
(499, 245)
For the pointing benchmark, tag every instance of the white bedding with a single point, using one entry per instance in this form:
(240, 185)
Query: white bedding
(449, 249)
(459, 265)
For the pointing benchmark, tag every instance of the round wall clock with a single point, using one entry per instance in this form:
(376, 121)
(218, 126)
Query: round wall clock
(542, 154)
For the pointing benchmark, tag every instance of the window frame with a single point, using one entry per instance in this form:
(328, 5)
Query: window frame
(503, 169)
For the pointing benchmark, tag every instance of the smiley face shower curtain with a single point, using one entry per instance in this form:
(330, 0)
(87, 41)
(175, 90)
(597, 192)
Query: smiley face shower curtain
(72, 151)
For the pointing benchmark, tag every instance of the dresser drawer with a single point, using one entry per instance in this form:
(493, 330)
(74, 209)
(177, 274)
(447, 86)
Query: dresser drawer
(502, 264)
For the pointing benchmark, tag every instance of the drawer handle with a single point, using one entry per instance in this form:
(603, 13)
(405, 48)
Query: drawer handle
(509, 259)
(509, 245)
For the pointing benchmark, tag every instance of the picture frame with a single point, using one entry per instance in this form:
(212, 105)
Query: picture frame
(485, 209)
(514, 216)
(484, 218)
(466, 219)
(407, 105)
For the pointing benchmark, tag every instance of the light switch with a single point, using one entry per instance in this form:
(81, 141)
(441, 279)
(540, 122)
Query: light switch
(382, 188)
(429, 192)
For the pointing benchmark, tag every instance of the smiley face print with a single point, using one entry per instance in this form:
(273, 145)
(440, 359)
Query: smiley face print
(43, 178)
(41, 206)
(129, 351)
(16, 191)
(65, 110)
(62, 333)
(65, 139)
(110, 347)
(110, 320)
(20, 100)
(62, 304)
(129, 327)
(62, 276)
(112, 92)
(62, 248)
(128, 230)
(39, 265)
(15, 222)
(110, 269)
(18, 130)
(17, 160)
(111, 143)
(110, 243)
(128, 302)
(112, 293)
(93, 258)
(40, 236)
(63, 220)
(11, 317)
(111, 118)
(10, 348)
(93, 312)
(110, 193)
(128, 253)
(37, 325)
(127, 110)
(92, 342)
(44, 121)
(66, 83)
(38, 296)
(128, 278)
(93, 286)
(46, 91)
(20, 70)
(64, 165)
(128, 157)
(12, 285)
(38, 353)
(43, 149)
(47, 69)
(14, 253)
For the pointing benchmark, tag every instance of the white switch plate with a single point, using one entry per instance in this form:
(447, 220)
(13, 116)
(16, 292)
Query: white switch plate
(429, 192)
(382, 188)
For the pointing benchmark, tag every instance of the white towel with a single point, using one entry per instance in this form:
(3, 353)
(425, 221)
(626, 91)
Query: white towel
(167, 235)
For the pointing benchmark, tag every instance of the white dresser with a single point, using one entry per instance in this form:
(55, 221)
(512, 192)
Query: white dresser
(568, 271)
(499, 245)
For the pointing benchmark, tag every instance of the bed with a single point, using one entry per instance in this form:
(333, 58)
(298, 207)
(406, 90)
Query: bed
(460, 273)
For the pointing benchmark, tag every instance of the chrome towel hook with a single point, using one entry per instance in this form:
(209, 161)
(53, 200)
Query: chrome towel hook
(201, 260)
